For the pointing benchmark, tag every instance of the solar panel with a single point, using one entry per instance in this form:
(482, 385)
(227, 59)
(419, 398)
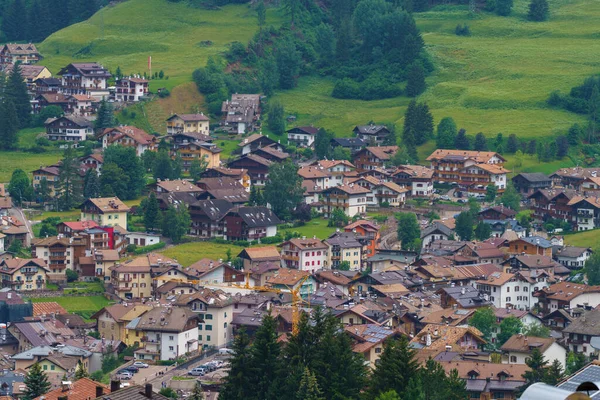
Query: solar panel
(589, 374)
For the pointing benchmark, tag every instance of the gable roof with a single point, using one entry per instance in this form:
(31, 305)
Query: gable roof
(92, 69)
(382, 152)
(254, 137)
(261, 253)
(172, 319)
(137, 135)
(17, 48)
(308, 130)
(189, 117)
(436, 227)
(215, 209)
(369, 129)
(10, 266)
(526, 344)
(47, 308)
(446, 336)
(257, 216)
(81, 389)
(287, 277)
(477, 156)
(533, 177)
(109, 204)
(178, 185)
(501, 210)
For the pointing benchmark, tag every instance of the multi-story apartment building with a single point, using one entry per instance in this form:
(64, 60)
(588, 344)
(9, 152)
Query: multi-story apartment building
(352, 199)
(257, 167)
(239, 174)
(417, 178)
(471, 170)
(128, 136)
(169, 333)
(12, 53)
(24, 274)
(335, 171)
(215, 308)
(367, 233)
(69, 127)
(242, 113)
(553, 203)
(512, 290)
(304, 254)
(188, 123)
(372, 158)
(197, 150)
(50, 175)
(130, 89)
(59, 253)
(85, 78)
(131, 280)
(106, 211)
(344, 247)
(585, 212)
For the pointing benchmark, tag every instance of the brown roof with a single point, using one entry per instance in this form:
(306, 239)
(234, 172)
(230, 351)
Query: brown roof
(447, 336)
(47, 308)
(484, 370)
(382, 152)
(81, 389)
(285, 276)
(492, 168)
(5, 202)
(16, 48)
(496, 279)
(52, 240)
(367, 225)
(262, 253)
(172, 319)
(109, 204)
(448, 315)
(29, 71)
(258, 159)
(10, 266)
(304, 244)
(350, 189)
(395, 187)
(178, 185)
(526, 344)
(56, 98)
(334, 277)
(273, 152)
(212, 297)
(252, 138)
(137, 135)
(203, 265)
(85, 97)
(393, 290)
(502, 313)
(477, 156)
(116, 311)
(311, 172)
(567, 291)
(332, 163)
(416, 171)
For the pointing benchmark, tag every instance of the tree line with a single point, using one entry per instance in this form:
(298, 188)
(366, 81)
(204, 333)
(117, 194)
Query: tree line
(318, 363)
(34, 20)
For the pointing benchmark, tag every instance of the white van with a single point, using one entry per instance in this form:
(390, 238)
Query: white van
(225, 352)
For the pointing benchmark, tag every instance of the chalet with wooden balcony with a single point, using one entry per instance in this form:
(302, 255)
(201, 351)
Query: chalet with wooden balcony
(242, 113)
(257, 141)
(417, 178)
(529, 183)
(224, 188)
(585, 212)
(239, 174)
(197, 150)
(552, 204)
(373, 157)
(302, 136)
(188, 123)
(12, 53)
(24, 274)
(46, 85)
(208, 218)
(371, 134)
(43, 100)
(85, 78)
(272, 153)
(106, 211)
(351, 199)
(304, 254)
(128, 136)
(69, 127)
(131, 89)
(93, 161)
(250, 223)
(471, 170)
(532, 245)
(257, 167)
(574, 178)
(333, 172)
(59, 253)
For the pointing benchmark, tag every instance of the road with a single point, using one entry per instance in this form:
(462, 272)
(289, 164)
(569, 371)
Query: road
(18, 213)
(163, 380)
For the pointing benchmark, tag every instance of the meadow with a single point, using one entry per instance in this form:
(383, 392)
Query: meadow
(84, 306)
(188, 253)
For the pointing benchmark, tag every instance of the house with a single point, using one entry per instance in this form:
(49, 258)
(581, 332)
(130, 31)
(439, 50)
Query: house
(567, 295)
(519, 347)
(484, 252)
(254, 256)
(216, 310)
(288, 280)
(302, 136)
(197, 150)
(98, 264)
(449, 316)
(336, 171)
(272, 153)
(304, 254)
(111, 322)
(353, 145)
(131, 280)
(208, 217)
(143, 239)
(133, 392)
(106, 211)
(506, 290)
(391, 259)
(344, 248)
(59, 253)
(472, 170)
(128, 136)
(169, 333)
(573, 178)
(389, 193)
(369, 341)
(581, 331)
(176, 186)
(240, 175)
(367, 233)
(93, 161)
(12, 53)
(366, 283)
(500, 213)
(208, 272)
(371, 134)
(81, 389)
(45, 99)
(23, 274)
(463, 296)
(434, 232)
(47, 85)
(257, 167)
(84, 105)
(573, 257)
(223, 188)
(585, 212)
(188, 123)
(5, 205)
(417, 178)
(131, 89)
(32, 73)
(371, 158)
(257, 141)
(69, 128)
(351, 199)
(554, 203)
(242, 113)
(529, 183)
(532, 245)
(446, 337)
(250, 223)
(85, 78)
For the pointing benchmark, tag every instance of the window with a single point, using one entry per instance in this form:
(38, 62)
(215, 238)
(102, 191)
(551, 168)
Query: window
(516, 288)
(45, 367)
(208, 338)
(513, 359)
(200, 337)
(508, 299)
(171, 348)
(225, 314)
(52, 368)
(209, 327)
(199, 327)
(225, 325)
(171, 337)
(377, 350)
(208, 316)
(507, 290)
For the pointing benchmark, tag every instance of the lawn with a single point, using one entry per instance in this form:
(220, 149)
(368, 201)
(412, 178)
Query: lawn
(315, 227)
(77, 304)
(188, 253)
(583, 239)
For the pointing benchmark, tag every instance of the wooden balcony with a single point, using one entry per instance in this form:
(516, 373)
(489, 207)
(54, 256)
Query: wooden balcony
(290, 258)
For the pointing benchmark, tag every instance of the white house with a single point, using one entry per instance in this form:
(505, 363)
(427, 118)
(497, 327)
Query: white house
(435, 231)
(131, 89)
(351, 199)
(519, 347)
(513, 290)
(170, 332)
(304, 254)
(573, 257)
(335, 171)
(70, 128)
(302, 136)
(142, 239)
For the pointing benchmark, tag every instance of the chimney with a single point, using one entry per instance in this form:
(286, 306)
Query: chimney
(148, 390)
(99, 391)
(114, 386)
(62, 398)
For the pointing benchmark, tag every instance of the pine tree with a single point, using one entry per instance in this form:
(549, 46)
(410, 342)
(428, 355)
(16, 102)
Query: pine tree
(70, 186)
(423, 125)
(462, 141)
(162, 168)
(456, 387)
(464, 226)
(261, 13)
(409, 134)
(446, 133)
(538, 10)
(16, 91)
(554, 373)
(414, 390)
(9, 124)
(283, 178)
(512, 144)
(105, 117)
(276, 118)
(91, 184)
(127, 160)
(197, 393)
(265, 359)
(151, 213)
(38, 20)
(435, 376)
(309, 387)
(397, 367)
(480, 143)
(81, 371)
(538, 366)
(415, 80)
(253, 199)
(504, 7)
(114, 181)
(177, 166)
(239, 381)
(197, 168)
(36, 382)
(14, 24)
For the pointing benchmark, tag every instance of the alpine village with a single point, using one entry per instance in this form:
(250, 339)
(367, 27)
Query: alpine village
(299, 199)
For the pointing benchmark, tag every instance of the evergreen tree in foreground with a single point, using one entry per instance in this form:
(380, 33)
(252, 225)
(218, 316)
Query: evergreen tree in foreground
(36, 382)
(70, 186)
(397, 367)
(16, 91)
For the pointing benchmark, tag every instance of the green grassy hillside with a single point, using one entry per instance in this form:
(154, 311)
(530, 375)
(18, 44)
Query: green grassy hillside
(169, 32)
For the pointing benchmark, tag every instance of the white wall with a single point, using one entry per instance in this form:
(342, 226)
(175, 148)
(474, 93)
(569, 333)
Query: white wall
(178, 343)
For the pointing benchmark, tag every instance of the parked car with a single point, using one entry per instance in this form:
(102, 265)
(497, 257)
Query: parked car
(198, 371)
(132, 369)
(124, 375)
(225, 352)
(463, 201)
(139, 364)
(445, 197)
(217, 363)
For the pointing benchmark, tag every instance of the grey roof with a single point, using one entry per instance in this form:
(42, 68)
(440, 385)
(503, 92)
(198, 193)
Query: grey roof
(80, 121)
(215, 209)
(469, 299)
(436, 227)
(533, 177)
(370, 129)
(514, 224)
(258, 216)
(343, 239)
(572, 251)
(591, 373)
(44, 351)
(7, 379)
(538, 241)
(349, 142)
(588, 324)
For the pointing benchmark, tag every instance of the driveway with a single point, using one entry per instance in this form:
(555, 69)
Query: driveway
(18, 213)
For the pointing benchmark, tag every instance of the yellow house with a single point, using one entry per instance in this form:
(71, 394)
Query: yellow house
(106, 211)
(194, 150)
(369, 339)
(344, 247)
(131, 334)
(31, 73)
(132, 280)
(50, 174)
(188, 123)
(112, 320)
(24, 274)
